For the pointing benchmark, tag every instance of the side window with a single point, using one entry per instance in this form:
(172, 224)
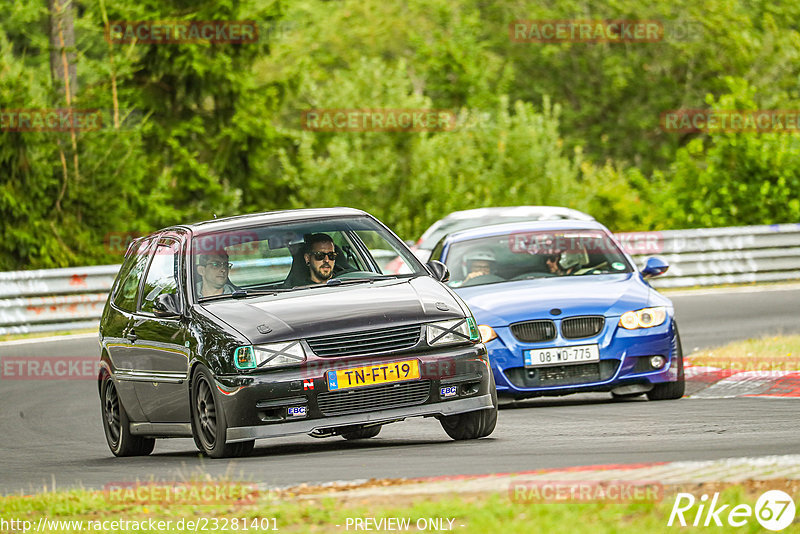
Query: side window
(351, 261)
(162, 276)
(130, 275)
(383, 253)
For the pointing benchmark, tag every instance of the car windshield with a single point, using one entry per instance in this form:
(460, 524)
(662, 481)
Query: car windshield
(527, 255)
(290, 256)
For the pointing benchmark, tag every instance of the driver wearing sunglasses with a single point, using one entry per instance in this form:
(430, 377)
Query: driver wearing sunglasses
(320, 258)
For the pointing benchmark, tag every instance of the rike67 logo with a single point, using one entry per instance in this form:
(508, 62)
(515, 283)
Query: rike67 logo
(774, 511)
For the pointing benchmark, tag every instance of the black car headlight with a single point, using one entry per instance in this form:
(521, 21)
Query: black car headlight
(269, 355)
(451, 332)
(644, 318)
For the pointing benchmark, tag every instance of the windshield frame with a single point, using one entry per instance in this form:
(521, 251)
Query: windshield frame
(468, 245)
(366, 222)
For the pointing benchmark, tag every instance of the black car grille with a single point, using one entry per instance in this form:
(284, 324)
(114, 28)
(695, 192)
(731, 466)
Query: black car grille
(578, 327)
(366, 342)
(532, 331)
(562, 375)
(374, 398)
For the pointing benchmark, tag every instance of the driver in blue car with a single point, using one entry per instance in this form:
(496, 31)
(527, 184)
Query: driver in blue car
(320, 256)
(479, 264)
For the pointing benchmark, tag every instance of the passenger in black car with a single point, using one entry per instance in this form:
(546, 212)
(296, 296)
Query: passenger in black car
(213, 269)
(320, 256)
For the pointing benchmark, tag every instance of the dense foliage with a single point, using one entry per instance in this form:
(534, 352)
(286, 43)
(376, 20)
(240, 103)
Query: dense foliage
(215, 129)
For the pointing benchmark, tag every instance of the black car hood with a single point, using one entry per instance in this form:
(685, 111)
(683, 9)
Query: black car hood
(330, 310)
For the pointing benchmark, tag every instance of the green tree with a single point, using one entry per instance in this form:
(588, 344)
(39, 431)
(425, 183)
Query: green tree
(734, 178)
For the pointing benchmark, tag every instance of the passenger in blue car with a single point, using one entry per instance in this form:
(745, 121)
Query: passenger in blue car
(561, 263)
(551, 261)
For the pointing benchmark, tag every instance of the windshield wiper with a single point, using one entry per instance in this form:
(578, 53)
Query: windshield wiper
(244, 293)
(361, 279)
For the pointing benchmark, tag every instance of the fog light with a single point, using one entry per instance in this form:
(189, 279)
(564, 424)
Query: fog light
(657, 362)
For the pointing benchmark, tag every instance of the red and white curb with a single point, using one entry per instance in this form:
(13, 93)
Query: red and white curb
(716, 383)
(731, 470)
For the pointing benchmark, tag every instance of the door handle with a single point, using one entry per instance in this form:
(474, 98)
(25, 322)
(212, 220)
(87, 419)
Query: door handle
(131, 335)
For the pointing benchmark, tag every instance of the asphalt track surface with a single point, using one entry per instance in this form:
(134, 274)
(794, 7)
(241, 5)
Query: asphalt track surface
(51, 433)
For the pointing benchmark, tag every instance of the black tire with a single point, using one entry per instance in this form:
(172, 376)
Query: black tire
(117, 427)
(209, 426)
(671, 390)
(472, 425)
(362, 433)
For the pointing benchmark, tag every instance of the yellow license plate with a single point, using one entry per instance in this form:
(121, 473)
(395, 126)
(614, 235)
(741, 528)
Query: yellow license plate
(373, 374)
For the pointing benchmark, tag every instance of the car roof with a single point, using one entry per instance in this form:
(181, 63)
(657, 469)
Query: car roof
(252, 219)
(440, 227)
(520, 211)
(525, 226)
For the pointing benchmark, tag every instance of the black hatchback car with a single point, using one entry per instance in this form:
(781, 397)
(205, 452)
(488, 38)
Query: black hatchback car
(284, 323)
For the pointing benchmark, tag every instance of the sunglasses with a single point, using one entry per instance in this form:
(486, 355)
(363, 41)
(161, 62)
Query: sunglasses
(219, 265)
(319, 256)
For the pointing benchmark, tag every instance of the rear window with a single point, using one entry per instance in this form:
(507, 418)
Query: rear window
(130, 275)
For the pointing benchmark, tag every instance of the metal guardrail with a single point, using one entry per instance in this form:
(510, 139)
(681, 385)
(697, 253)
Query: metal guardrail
(49, 300)
(68, 299)
(714, 256)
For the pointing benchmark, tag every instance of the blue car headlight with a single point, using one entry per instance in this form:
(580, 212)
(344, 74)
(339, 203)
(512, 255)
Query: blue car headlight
(451, 332)
(644, 318)
(269, 355)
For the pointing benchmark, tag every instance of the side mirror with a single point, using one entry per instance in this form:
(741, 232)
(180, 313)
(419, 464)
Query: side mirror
(654, 267)
(166, 307)
(438, 270)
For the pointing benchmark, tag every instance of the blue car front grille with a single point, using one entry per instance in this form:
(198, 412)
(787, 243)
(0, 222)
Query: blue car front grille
(578, 327)
(534, 331)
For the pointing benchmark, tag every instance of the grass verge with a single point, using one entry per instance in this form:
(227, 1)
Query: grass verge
(774, 353)
(495, 512)
(35, 335)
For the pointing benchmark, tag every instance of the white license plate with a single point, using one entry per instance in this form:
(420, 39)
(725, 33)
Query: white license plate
(561, 355)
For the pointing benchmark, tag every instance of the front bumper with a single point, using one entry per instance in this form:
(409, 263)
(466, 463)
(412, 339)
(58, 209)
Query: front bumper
(624, 361)
(453, 407)
(297, 400)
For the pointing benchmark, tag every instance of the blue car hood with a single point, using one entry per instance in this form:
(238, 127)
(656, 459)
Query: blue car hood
(609, 295)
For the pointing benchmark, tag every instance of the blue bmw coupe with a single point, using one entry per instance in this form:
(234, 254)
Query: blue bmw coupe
(562, 309)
